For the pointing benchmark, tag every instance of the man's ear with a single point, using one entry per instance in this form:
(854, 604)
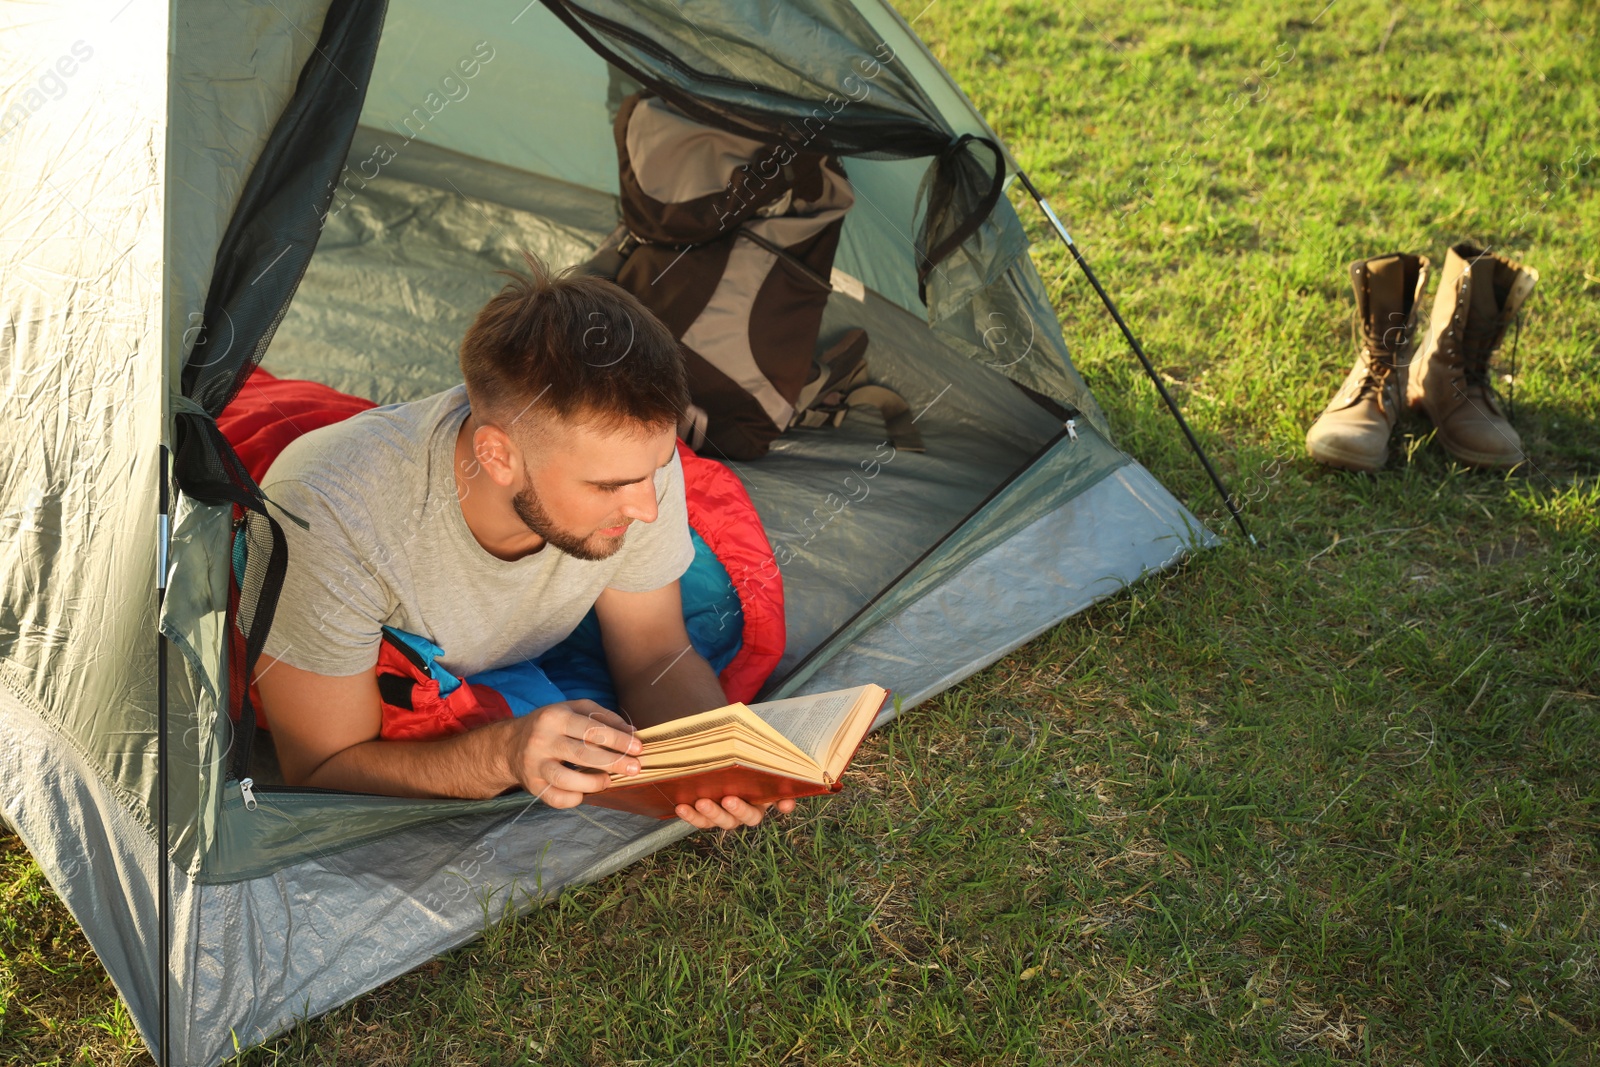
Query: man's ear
(497, 455)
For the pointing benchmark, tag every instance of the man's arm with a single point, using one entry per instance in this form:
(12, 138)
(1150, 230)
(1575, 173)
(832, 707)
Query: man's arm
(326, 732)
(658, 674)
(659, 677)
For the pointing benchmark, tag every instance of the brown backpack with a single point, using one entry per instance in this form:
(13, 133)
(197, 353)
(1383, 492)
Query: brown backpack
(730, 243)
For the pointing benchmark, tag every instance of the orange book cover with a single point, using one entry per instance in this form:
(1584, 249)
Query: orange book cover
(660, 799)
(754, 785)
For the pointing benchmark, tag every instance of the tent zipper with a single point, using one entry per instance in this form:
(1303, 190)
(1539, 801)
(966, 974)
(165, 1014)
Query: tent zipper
(249, 788)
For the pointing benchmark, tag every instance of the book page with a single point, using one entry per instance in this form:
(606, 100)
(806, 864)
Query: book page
(679, 741)
(689, 726)
(812, 721)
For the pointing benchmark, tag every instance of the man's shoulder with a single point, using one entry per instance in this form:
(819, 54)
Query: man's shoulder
(374, 451)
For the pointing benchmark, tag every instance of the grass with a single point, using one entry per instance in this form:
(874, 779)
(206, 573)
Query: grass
(1331, 800)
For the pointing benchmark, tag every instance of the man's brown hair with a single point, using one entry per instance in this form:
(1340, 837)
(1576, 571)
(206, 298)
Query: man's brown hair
(574, 346)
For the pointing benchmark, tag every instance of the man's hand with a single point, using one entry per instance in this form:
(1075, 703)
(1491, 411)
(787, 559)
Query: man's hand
(660, 677)
(579, 732)
(582, 732)
(730, 815)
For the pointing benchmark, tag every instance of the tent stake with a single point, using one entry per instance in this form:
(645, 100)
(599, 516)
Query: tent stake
(1138, 350)
(163, 886)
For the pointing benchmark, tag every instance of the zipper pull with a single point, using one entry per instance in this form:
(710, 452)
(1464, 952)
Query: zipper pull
(1072, 429)
(247, 788)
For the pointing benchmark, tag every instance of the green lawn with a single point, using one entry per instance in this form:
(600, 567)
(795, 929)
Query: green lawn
(1330, 800)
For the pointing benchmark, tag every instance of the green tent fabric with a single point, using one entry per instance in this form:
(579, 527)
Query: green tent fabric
(326, 188)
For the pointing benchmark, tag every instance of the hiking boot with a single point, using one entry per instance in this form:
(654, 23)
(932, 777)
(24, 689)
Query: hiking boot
(1353, 430)
(1479, 293)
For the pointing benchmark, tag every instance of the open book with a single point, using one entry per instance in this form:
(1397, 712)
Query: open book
(761, 752)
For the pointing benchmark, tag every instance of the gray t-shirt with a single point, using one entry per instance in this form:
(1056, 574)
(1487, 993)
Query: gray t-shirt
(388, 546)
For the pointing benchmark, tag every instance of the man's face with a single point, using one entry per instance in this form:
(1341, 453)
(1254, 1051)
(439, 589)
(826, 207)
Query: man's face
(586, 485)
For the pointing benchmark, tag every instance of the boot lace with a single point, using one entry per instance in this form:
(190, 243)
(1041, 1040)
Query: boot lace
(1377, 378)
(1377, 352)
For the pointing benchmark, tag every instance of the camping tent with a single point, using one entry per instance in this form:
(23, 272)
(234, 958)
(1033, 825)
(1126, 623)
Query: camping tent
(192, 188)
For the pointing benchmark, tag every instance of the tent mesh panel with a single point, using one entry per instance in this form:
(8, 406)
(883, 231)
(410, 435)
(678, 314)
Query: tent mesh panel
(956, 205)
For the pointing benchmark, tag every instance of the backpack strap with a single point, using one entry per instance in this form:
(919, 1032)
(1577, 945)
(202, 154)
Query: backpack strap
(692, 426)
(897, 417)
(840, 385)
(842, 367)
(608, 258)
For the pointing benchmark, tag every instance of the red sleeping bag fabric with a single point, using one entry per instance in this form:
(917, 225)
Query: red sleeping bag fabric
(413, 710)
(270, 412)
(721, 513)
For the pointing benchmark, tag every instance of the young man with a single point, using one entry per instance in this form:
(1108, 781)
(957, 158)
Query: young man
(490, 518)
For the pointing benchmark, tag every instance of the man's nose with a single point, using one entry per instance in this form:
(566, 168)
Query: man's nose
(641, 503)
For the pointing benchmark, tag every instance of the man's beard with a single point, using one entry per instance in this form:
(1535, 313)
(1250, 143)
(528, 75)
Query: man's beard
(530, 509)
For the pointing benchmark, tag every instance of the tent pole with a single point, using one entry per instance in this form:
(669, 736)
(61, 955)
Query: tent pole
(1138, 350)
(163, 885)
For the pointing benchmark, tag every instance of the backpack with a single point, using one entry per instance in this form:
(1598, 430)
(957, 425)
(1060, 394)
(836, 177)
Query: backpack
(730, 243)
